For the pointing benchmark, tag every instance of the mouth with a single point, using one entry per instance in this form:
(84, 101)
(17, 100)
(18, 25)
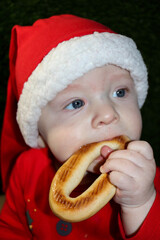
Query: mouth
(98, 162)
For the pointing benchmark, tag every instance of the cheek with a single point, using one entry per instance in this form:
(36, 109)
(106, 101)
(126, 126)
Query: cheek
(64, 141)
(134, 123)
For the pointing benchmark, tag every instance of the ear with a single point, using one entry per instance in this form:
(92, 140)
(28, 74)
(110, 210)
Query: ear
(41, 142)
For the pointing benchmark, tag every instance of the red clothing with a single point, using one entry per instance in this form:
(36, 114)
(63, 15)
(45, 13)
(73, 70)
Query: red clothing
(26, 213)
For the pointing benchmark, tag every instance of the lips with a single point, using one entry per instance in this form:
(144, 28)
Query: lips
(105, 151)
(98, 162)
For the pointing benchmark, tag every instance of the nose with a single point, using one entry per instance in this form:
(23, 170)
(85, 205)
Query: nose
(104, 114)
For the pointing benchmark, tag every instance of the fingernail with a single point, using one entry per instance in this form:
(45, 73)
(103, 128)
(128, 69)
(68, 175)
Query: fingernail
(101, 169)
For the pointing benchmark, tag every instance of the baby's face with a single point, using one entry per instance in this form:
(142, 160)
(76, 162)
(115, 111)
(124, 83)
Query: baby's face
(98, 106)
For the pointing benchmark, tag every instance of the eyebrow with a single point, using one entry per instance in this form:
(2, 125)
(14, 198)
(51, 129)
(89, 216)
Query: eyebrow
(65, 92)
(71, 88)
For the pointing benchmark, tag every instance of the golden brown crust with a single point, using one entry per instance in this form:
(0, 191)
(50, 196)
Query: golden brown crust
(70, 175)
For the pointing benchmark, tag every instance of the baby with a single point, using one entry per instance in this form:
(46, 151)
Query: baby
(76, 82)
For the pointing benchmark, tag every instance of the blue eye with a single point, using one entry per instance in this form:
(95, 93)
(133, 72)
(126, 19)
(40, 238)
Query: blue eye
(75, 104)
(120, 93)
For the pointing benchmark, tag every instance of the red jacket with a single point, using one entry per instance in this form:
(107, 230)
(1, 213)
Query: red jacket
(26, 213)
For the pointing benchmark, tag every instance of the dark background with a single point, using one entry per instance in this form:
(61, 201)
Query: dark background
(138, 19)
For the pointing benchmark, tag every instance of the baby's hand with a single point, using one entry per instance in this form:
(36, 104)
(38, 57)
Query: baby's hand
(132, 171)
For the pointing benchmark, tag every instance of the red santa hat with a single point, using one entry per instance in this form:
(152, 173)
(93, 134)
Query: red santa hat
(45, 58)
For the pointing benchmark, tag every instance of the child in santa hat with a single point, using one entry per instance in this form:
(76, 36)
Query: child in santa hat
(72, 82)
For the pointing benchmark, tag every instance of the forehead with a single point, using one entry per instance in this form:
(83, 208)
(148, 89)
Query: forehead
(99, 80)
(99, 76)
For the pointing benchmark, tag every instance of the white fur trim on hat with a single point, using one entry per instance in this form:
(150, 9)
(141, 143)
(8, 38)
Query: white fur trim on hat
(69, 61)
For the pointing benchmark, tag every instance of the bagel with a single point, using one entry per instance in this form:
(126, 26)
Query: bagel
(70, 174)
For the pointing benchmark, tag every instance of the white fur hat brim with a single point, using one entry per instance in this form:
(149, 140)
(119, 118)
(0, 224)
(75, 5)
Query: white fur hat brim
(69, 61)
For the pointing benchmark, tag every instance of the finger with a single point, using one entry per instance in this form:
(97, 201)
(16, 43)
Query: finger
(120, 165)
(132, 153)
(129, 155)
(141, 147)
(121, 180)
